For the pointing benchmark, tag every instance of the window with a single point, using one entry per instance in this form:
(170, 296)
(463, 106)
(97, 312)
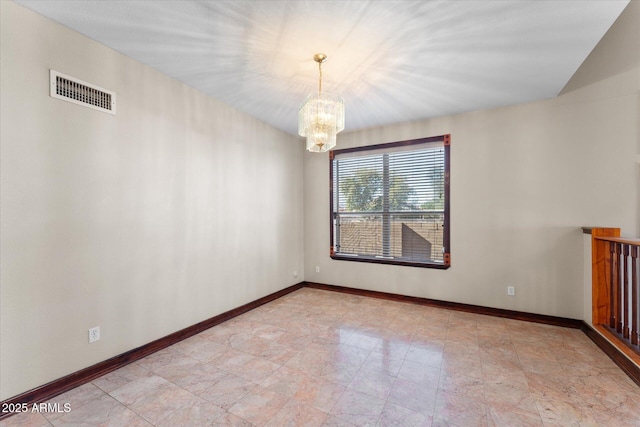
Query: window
(390, 203)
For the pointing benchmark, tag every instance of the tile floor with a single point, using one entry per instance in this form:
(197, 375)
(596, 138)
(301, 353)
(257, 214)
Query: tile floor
(320, 358)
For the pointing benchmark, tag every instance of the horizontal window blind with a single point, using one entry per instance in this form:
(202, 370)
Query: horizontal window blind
(389, 202)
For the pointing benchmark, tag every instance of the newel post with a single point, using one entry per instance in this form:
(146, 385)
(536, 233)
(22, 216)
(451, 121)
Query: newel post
(601, 274)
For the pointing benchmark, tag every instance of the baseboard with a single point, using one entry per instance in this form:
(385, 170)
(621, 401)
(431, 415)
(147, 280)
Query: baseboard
(469, 308)
(619, 358)
(71, 381)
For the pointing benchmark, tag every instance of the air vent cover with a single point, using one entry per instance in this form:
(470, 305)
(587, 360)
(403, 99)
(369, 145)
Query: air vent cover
(82, 93)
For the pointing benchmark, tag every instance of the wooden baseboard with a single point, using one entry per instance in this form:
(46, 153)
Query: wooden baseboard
(469, 308)
(71, 381)
(629, 362)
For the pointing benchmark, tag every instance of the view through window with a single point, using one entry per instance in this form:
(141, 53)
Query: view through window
(390, 203)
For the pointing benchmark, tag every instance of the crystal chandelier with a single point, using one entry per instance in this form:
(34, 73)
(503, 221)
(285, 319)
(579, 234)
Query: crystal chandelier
(321, 116)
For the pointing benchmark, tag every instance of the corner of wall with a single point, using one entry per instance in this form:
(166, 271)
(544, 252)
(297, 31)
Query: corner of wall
(618, 51)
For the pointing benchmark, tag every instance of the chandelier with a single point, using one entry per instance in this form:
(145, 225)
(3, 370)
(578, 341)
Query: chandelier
(321, 116)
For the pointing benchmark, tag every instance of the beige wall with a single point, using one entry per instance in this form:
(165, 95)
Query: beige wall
(174, 210)
(524, 179)
(162, 216)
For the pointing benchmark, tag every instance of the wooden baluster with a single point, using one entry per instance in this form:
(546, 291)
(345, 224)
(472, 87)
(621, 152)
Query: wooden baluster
(618, 286)
(635, 289)
(612, 285)
(625, 294)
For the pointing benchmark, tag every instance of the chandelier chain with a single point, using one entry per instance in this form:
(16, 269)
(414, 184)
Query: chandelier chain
(320, 79)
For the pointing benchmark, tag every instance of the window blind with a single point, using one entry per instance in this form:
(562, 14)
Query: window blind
(389, 203)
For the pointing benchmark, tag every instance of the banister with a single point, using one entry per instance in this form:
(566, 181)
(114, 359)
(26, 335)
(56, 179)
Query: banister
(616, 289)
(633, 241)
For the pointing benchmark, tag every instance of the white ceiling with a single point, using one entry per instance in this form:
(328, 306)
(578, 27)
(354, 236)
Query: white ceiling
(392, 61)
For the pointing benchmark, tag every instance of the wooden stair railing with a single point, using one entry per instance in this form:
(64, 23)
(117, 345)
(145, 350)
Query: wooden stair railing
(616, 289)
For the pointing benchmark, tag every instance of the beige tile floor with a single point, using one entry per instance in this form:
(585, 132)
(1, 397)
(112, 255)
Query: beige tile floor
(320, 358)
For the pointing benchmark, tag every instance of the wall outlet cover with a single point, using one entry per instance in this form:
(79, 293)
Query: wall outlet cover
(94, 334)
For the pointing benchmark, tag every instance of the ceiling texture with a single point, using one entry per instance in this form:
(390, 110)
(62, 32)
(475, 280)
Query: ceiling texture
(392, 61)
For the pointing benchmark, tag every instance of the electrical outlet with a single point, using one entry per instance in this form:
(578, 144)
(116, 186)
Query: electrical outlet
(295, 274)
(94, 334)
(317, 269)
(511, 291)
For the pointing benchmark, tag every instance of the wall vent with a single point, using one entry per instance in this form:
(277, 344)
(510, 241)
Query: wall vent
(81, 93)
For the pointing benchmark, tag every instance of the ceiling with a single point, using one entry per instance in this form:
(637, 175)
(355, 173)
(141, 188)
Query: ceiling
(392, 61)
